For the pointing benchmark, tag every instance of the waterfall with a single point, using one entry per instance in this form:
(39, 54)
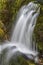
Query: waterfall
(21, 39)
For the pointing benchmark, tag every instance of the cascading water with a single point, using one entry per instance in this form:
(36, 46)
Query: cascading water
(21, 39)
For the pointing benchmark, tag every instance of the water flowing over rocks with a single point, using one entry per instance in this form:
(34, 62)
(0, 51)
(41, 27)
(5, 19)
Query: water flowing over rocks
(21, 39)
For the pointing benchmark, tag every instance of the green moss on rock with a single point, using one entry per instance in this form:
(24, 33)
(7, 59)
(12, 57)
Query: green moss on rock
(39, 30)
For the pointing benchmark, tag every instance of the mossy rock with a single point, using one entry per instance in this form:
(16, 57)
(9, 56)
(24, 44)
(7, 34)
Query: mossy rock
(39, 29)
(40, 1)
(21, 61)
